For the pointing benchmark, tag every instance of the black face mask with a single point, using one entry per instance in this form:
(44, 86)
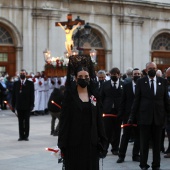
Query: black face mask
(114, 78)
(152, 73)
(22, 76)
(135, 78)
(101, 81)
(82, 82)
(168, 78)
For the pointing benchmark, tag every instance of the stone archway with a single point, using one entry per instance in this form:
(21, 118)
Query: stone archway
(10, 47)
(161, 50)
(96, 40)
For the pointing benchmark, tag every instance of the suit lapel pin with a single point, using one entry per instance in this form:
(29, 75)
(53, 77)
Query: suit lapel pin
(146, 82)
(121, 86)
(159, 83)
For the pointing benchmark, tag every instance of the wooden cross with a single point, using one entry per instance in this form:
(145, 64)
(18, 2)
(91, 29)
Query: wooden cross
(69, 23)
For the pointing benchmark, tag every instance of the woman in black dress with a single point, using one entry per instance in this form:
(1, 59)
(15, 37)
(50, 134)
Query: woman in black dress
(81, 134)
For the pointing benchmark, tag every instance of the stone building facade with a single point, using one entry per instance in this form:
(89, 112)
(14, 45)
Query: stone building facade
(125, 33)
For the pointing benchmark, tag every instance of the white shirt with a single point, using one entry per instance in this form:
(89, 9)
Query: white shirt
(133, 86)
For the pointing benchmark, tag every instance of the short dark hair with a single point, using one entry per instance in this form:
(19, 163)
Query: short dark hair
(144, 72)
(114, 70)
(134, 69)
(23, 70)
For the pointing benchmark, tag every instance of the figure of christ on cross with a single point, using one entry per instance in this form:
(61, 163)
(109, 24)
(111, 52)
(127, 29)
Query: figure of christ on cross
(69, 44)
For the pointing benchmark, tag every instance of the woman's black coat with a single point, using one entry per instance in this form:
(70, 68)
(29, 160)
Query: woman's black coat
(71, 122)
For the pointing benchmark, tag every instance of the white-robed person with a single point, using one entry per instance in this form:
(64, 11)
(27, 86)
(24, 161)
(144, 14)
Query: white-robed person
(36, 96)
(41, 93)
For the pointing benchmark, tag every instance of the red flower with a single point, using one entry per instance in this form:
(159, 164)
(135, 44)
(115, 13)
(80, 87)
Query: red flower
(40, 83)
(33, 79)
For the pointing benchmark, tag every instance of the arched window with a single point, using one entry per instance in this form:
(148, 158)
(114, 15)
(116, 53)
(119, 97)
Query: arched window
(87, 41)
(5, 37)
(161, 42)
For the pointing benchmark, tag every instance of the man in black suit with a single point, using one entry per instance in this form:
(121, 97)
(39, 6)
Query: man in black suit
(101, 74)
(151, 107)
(111, 92)
(23, 102)
(124, 112)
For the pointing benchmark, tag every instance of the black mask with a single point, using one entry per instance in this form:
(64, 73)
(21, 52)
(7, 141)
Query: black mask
(168, 78)
(114, 78)
(152, 73)
(135, 78)
(101, 81)
(82, 82)
(22, 76)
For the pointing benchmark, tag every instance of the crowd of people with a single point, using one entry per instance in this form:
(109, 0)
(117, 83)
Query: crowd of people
(93, 116)
(138, 102)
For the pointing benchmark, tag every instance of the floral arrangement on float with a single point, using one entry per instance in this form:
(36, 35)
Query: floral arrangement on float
(55, 62)
(57, 66)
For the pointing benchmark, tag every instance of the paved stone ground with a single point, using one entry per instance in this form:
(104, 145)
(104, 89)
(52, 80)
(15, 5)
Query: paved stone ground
(31, 155)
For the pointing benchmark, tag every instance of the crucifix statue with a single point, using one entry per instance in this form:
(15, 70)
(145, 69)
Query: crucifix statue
(69, 29)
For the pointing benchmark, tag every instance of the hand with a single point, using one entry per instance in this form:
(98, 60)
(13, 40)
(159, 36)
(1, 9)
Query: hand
(102, 154)
(130, 121)
(119, 116)
(62, 152)
(31, 108)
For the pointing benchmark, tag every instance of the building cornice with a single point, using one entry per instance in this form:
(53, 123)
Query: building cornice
(46, 14)
(131, 2)
(131, 21)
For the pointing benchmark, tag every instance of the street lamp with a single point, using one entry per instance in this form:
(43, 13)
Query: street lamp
(87, 29)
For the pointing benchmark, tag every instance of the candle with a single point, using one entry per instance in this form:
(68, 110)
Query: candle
(125, 125)
(52, 150)
(109, 115)
(8, 105)
(55, 104)
(11, 108)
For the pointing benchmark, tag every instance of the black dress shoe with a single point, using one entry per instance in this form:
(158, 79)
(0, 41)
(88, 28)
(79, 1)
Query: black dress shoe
(136, 158)
(156, 168)
(55, 134)
(20, 139)
(26, 139)
(115, 153)
(120, 160)
(144, 168)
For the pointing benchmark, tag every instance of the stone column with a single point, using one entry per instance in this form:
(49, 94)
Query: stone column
(126, 43)
(108, 59)
(19, 58)
(137, 43)
(130, 42)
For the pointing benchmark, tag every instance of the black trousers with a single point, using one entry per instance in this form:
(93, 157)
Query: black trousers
(113, 130)
(146, 132)
(127, 131)
(24, 123)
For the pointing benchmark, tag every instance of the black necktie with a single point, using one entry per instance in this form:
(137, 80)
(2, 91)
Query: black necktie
(152, 88)
(21, 86)
(114, 85)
